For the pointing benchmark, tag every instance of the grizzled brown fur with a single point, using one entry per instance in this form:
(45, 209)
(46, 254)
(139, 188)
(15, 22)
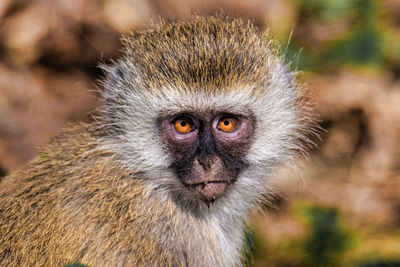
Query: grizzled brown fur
(43, 206)
(74, 205)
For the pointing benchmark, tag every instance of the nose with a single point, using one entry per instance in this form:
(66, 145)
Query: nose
(207, 162)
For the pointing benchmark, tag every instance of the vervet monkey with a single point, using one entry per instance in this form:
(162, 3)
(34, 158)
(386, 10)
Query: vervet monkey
(195, 117)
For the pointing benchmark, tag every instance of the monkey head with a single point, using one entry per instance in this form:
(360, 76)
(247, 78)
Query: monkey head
(203, 108)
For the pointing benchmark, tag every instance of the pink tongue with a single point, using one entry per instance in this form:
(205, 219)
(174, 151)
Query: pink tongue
(211, 191)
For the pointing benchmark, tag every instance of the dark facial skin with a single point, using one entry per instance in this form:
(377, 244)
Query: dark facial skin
(208, 150)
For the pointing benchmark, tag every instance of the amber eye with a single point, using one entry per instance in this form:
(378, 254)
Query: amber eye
(227, 124)
(183, 125)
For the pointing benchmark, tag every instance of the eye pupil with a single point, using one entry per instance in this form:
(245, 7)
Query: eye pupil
(183, 123)
(226, 123)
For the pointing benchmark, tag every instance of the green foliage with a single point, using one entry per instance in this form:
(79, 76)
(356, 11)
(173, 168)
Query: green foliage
(366, 11)
(326, 240)
(332, 10)
(326, 10)
(249, 247)
(303, 58)
(362, 47)
(381, 263)
(363, 43)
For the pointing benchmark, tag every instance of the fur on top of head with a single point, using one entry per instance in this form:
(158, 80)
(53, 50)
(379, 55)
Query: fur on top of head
(202, 64)
(211, 53)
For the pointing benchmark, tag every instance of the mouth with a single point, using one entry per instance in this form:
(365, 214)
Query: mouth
(209, 191)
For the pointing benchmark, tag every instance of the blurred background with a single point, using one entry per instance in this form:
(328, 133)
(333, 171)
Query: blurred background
(344, 207)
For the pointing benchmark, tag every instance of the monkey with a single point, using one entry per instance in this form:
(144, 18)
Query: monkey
(194, 118)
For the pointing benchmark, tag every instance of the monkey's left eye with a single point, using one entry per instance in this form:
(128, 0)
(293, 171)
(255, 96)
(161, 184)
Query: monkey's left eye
(183, 125)
(227, 124)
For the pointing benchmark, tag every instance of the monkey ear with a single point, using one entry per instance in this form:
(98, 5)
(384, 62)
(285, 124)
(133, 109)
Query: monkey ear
(115, 83)
(116, 75)
(113, 92)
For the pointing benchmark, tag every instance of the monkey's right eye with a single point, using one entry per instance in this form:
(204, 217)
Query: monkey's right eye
(183, 125)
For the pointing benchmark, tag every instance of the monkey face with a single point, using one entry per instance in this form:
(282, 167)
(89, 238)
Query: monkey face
(208, 150)
(204, 110)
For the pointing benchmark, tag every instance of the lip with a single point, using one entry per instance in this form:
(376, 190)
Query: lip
(209, 191)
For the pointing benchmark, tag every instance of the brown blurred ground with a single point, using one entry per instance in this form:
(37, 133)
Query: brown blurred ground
(49, 51)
